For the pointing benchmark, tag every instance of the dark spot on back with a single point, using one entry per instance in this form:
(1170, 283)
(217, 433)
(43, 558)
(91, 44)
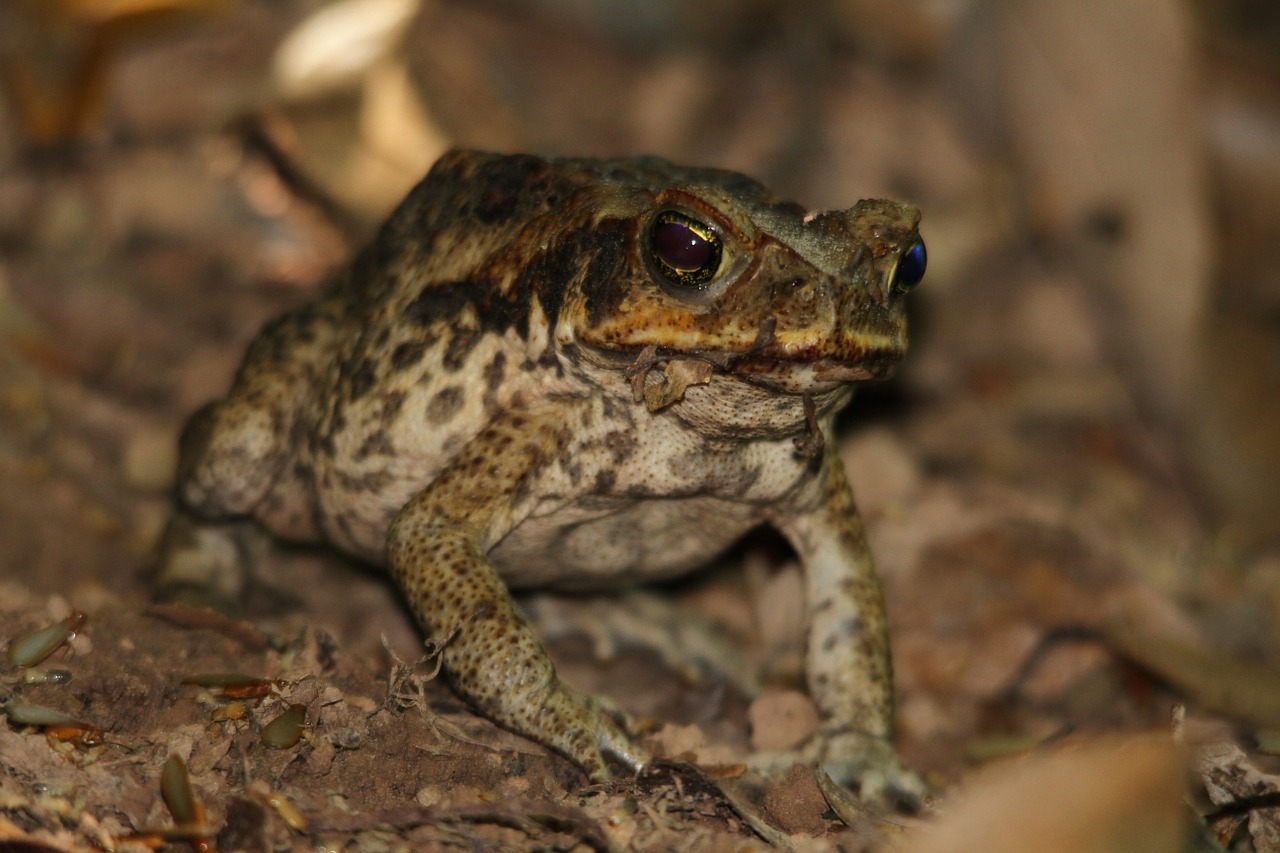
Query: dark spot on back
(375, 444)
(438, 303)
(322, 445)
(444, 404)
(371, 482)
(511, 183)
(461, 342)
(407, 354)
(391, 403)
(496, 370)
(361, 378)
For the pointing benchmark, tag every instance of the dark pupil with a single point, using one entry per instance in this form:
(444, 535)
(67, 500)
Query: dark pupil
(911, 266)
(684, 251)
(681, 247)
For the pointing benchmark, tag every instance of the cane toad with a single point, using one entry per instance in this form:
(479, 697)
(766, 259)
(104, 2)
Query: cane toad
(574, 372)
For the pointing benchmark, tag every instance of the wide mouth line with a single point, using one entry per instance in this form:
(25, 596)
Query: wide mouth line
(760, 367)
(867, 366)
(877, 351)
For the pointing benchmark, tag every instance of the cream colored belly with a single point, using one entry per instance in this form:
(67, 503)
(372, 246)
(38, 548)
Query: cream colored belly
(598, 542)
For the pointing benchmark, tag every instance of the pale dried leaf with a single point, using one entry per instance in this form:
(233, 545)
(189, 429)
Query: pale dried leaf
(336, 46)
(1243, 689)
(781, 719)
(1230, 777)
(1106, 796)
(678, 375)
(1092, 149)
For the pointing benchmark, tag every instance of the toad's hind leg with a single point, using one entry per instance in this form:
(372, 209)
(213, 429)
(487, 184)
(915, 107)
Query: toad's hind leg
(232, 452)
(235, 454)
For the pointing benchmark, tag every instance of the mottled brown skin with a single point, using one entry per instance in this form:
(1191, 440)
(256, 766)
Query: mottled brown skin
(505, 392)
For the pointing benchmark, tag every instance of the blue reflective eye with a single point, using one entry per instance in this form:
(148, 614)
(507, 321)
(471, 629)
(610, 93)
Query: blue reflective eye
(911, 266)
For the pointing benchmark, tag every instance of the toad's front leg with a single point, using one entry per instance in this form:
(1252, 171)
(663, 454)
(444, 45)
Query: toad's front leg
(847, 658)
(437, 551)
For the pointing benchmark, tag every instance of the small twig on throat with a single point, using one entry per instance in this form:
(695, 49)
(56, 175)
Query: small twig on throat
(811, 444)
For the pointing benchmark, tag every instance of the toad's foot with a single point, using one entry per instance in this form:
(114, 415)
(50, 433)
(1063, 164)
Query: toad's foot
(206, 563)
(584, 728)
(854, 759)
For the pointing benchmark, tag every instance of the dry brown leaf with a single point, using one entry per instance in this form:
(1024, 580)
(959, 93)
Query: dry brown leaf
(781, 719)
(59, 70)
(1112, 795)
(678, 375)
(1242, 689)
(1230, 779)
(1096, 151)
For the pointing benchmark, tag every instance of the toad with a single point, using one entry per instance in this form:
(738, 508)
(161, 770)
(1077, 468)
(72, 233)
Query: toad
(577, 373)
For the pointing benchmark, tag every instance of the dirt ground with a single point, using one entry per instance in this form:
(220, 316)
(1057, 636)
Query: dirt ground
(1074, 511)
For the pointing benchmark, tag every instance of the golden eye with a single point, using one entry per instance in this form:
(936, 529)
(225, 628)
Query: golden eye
(684, 251)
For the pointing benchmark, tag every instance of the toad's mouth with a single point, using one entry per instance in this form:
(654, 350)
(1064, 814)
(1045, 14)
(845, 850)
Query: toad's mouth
(661, 375)
(791, 361)
(870, 365)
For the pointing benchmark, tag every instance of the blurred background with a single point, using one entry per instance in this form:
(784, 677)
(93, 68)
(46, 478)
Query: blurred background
(1101, 183)
(1092, 404)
